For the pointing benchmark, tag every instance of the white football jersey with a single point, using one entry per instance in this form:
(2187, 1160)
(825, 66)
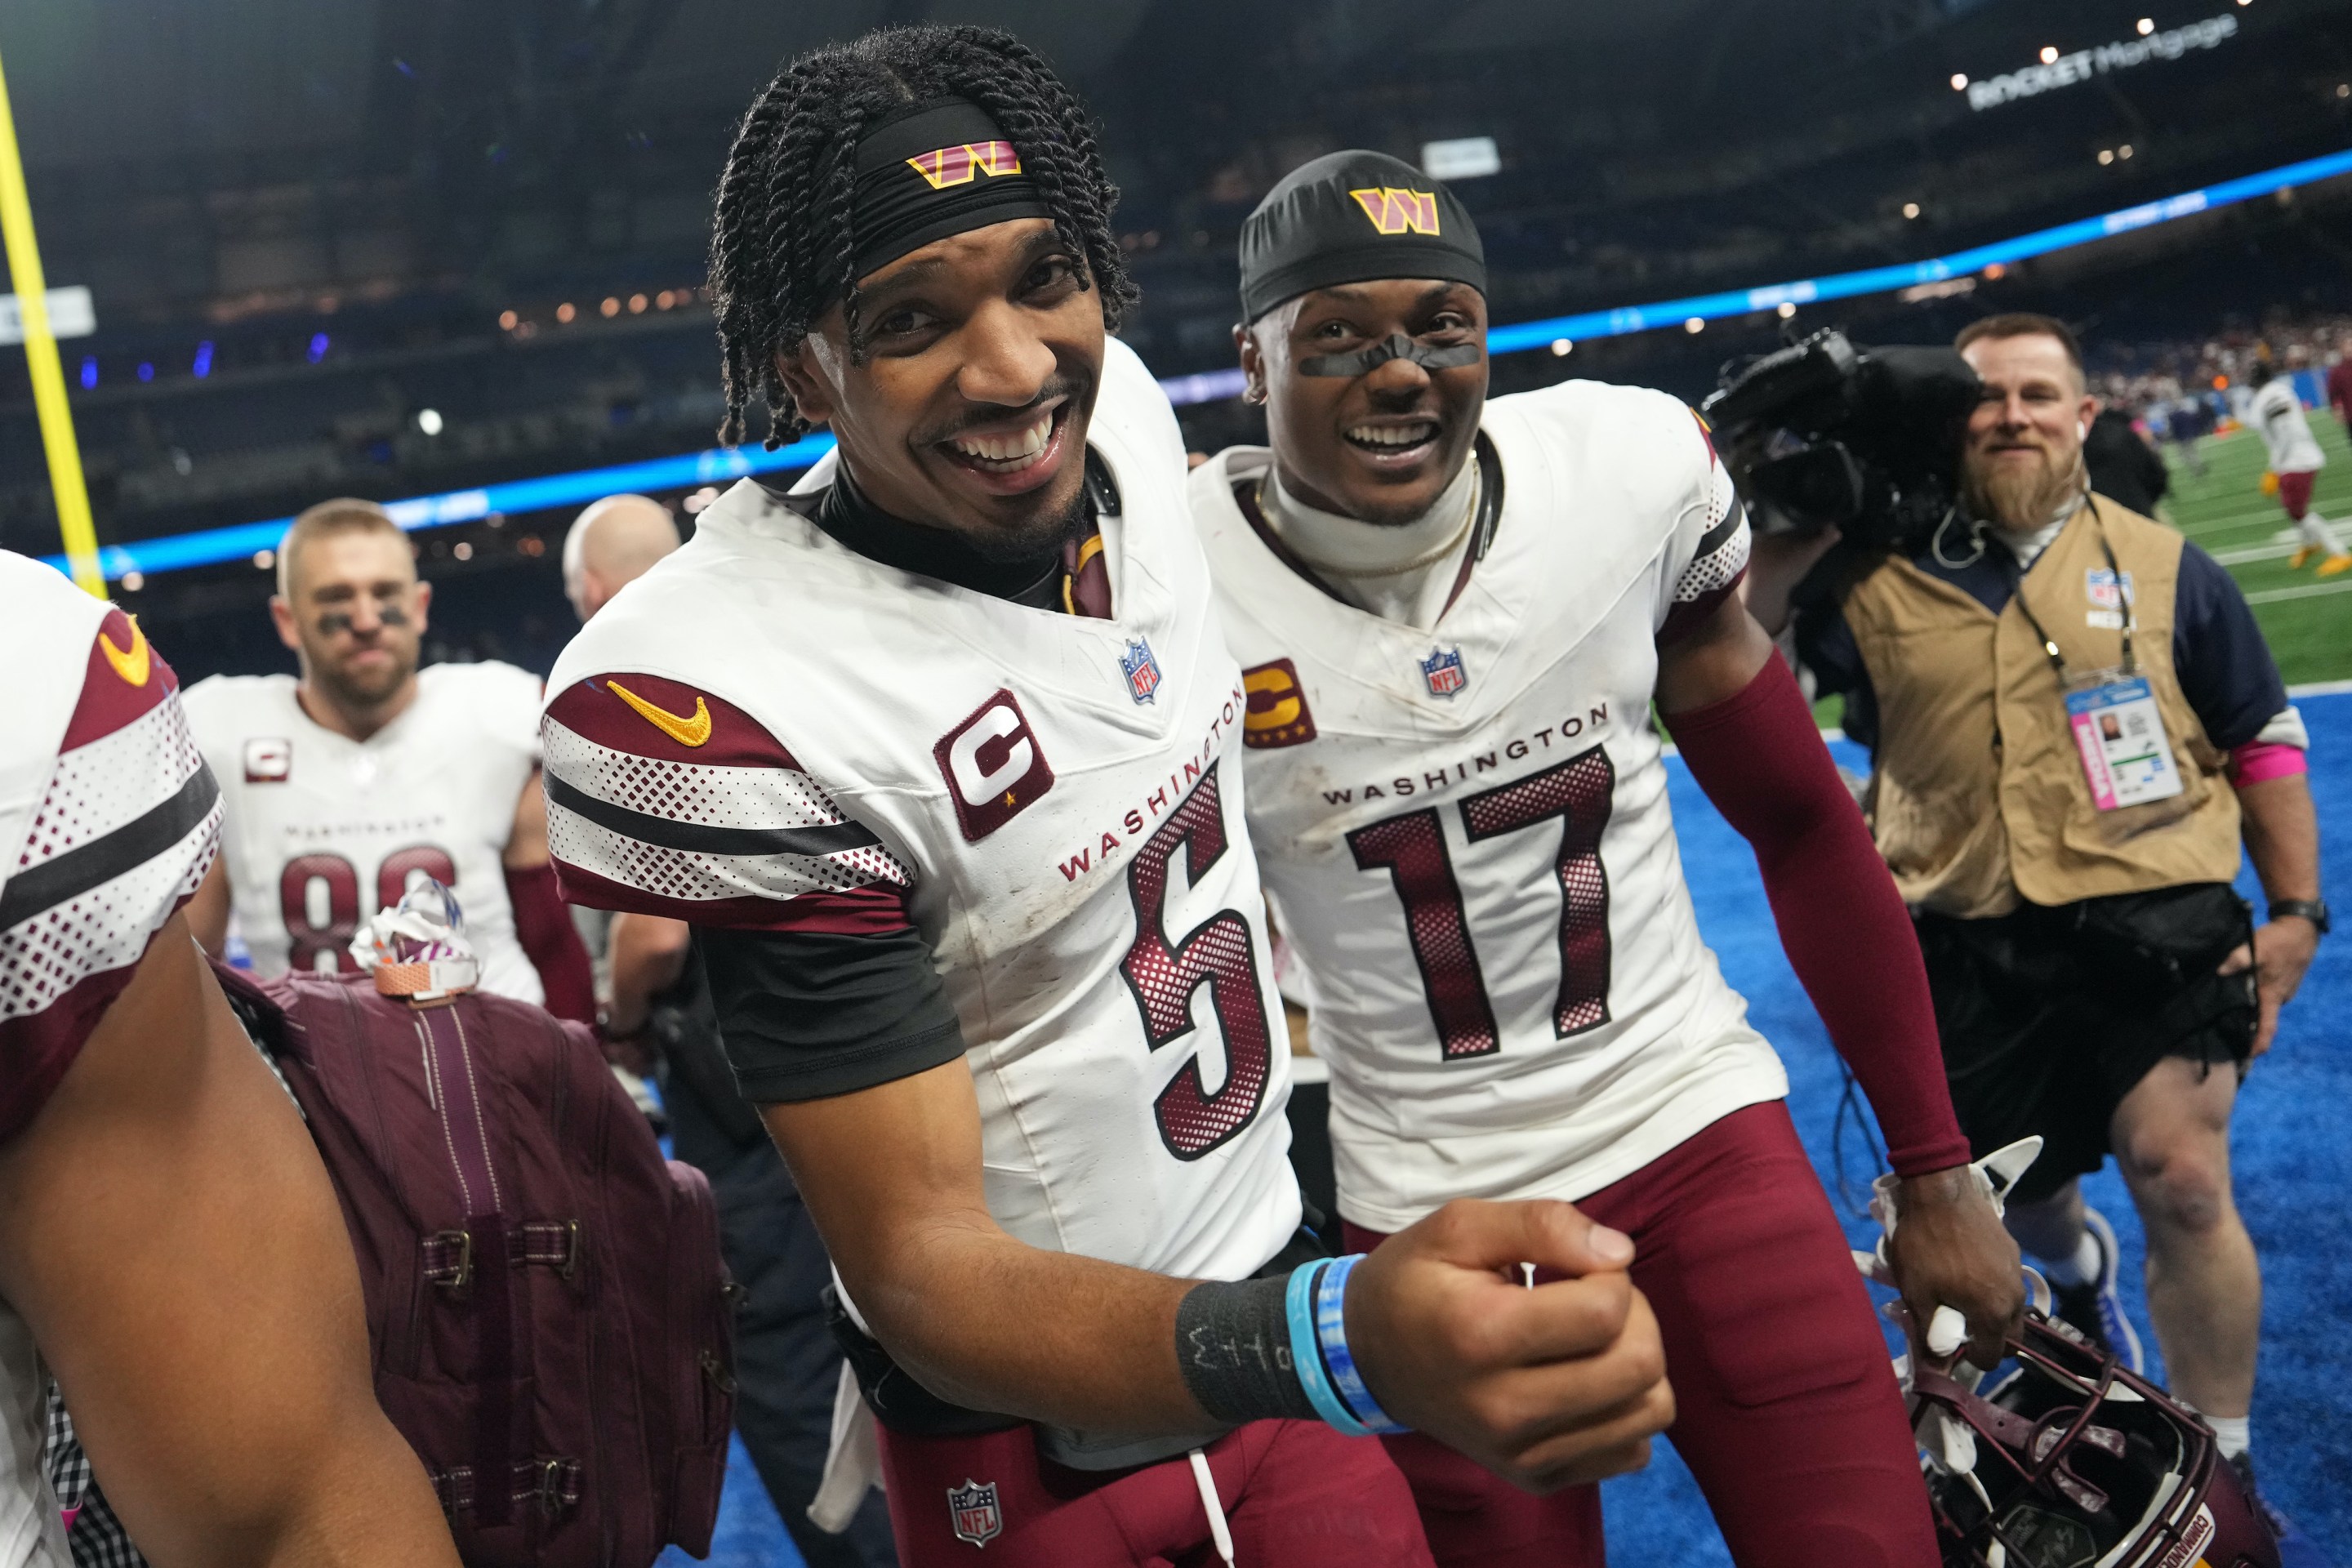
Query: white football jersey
(772, 731)
(1465, 832)
(323, 830)
(108, 823)
(2278, 414)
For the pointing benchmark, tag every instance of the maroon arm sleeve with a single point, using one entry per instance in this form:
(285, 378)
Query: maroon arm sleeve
(550, 940)
(1760, 760)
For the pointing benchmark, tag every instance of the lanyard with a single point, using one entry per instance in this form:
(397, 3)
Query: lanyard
(2049, 645)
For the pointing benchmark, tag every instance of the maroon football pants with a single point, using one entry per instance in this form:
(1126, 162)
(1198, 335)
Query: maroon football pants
(1785, 1406)
(1294, 1493)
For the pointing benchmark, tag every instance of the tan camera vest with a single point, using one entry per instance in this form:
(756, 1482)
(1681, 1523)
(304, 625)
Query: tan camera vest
(1978, 796)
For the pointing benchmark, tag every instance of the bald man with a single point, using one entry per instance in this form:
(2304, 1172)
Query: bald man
(656, 1020)
(613, 543)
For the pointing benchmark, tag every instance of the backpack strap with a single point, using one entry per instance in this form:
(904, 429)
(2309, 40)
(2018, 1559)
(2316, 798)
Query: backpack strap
(466, 1135)
(552, 1484)
(549, 1243)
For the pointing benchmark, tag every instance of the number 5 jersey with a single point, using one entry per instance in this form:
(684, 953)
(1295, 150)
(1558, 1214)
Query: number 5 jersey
(1465, 831)
(770, 732)
(321, 830)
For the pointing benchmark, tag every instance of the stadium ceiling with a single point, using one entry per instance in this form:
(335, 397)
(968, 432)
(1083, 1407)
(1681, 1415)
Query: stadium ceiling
(441, 81)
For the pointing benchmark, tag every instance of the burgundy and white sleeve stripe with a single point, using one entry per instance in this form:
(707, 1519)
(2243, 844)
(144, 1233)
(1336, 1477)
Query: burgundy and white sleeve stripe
(698, 813)
(127, 826)
(1716, 563)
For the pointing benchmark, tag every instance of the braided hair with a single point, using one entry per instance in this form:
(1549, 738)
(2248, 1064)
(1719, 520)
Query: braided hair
(781, 249)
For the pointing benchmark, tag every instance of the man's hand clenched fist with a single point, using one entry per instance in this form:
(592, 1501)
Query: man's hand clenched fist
(1549, 1387)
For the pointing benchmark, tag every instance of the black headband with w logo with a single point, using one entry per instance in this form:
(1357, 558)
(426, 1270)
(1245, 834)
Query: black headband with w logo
(932, 170)
(1354, 217)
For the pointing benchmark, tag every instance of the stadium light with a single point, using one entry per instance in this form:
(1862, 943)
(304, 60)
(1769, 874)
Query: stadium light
(1960, 81)
(2049, 54)
(2146, 25)
(1463, 158)
(564, 313)
(1910, 209)
(429, 421)
(2107, 155)
(507, 319)
(723, 465)
(1695, 325)
(1561, 347)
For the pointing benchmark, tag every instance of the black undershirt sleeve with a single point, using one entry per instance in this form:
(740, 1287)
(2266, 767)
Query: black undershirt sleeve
(806, 1015)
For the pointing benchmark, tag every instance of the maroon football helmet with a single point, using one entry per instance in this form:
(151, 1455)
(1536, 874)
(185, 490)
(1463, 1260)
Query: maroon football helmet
(2080, 1463)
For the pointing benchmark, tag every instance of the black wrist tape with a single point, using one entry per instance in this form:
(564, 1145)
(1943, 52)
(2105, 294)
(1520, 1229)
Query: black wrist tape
(1234, 1343)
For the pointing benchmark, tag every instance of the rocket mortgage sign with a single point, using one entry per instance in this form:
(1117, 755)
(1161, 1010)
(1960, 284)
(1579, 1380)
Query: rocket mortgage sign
(2057, 70)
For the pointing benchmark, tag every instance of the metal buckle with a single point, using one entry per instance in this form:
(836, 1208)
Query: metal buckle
(464, 1240)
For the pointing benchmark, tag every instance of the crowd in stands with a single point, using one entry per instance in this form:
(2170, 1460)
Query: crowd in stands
(2181, 389)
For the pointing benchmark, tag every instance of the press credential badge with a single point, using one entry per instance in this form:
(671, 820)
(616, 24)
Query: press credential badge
(2126, 754)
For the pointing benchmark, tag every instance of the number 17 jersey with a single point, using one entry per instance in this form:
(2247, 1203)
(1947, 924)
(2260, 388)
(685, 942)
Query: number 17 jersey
(1464, 831)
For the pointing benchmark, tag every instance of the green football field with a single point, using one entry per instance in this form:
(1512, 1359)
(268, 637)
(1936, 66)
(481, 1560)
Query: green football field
(2308, 618)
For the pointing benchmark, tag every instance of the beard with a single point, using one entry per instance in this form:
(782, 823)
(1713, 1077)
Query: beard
(2019, 498)
(1041, 533)
(356, 692)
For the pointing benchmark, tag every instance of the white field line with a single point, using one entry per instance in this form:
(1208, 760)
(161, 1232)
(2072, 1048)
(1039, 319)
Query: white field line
(2307, 591)
(2319, 689)
(2248, 553)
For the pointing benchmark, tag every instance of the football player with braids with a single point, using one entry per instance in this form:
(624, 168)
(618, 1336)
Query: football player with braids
(1453, 617)
(938, 755)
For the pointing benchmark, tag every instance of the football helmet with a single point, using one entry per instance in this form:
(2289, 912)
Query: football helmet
(2075, 1461)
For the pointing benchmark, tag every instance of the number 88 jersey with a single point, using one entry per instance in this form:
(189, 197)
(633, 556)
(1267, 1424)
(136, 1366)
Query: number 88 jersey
(1464, 831)
(321, 831)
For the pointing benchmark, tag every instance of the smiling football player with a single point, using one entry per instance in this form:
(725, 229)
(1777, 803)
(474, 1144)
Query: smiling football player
(1454, 615)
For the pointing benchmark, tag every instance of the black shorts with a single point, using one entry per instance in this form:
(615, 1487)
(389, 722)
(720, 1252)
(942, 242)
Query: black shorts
(2049, 1016)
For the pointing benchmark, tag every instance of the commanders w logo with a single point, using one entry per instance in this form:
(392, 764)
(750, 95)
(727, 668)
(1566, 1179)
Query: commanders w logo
(1394, 211)
(945, 167)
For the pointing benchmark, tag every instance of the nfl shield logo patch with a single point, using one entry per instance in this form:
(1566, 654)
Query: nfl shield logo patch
(1442, 671)
(972, 1507)
(1142, 670)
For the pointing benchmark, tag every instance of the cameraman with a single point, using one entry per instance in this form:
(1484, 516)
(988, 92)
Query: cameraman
(2061, 772)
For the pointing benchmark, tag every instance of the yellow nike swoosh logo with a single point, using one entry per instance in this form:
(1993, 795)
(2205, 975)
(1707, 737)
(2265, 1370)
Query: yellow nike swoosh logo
(132, 663)
(692, 732)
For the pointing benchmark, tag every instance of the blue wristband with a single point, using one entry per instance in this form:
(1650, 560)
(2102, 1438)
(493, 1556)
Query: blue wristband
(1307, 1356)
(1331, 1330)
